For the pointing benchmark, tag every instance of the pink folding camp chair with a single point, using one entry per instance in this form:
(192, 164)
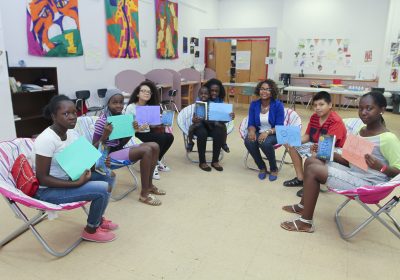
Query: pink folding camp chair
(370, 195)
(9, 151)
(291, 118)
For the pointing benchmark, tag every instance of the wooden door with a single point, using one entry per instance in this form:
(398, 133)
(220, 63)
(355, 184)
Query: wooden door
(242, 75)
(259, 51)
(222, 50)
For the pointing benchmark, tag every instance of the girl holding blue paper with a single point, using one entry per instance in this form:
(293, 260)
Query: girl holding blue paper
(55, 185)
(146, 93)
(264, 114)
(147, 153)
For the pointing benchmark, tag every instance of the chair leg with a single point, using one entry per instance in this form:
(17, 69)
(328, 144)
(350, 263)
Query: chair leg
(131, 189)
(374, 215)
(29, 224)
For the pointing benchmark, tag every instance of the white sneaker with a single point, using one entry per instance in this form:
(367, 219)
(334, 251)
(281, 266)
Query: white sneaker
(163, 167)
(156, 175)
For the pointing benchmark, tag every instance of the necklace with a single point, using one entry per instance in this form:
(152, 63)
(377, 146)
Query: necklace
(264, 109)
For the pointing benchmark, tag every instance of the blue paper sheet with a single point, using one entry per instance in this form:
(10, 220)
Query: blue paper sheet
(122, 126)
(79, 156)
(148, 115)
(167, 118)
(220, 112)
(288, 135)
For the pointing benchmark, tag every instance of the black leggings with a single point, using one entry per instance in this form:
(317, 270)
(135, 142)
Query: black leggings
(164, 140)
(217, 133)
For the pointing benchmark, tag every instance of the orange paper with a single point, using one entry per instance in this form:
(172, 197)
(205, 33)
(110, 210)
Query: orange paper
(354, 150)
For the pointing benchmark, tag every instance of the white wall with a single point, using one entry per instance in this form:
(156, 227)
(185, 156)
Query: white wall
(7, 127)
(392, 31)
(72, 75)
(250, 13)
(363, 22)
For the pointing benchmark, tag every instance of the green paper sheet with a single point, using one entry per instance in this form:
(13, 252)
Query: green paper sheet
(122, 126)
(78, 157)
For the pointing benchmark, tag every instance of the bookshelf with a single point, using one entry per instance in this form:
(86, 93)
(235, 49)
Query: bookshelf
(28, 105)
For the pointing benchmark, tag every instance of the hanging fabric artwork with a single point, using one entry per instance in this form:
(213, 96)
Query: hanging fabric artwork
(123, 28)
(53, 28)
(167, 29)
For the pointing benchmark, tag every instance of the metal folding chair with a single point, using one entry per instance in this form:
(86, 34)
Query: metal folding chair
(9, 151)
(365, 196)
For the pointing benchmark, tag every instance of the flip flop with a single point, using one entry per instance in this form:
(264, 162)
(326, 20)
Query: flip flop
(157, 191)
(150, 200)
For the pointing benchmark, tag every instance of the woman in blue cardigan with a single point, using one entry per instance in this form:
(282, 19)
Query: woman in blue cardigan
(264, 114)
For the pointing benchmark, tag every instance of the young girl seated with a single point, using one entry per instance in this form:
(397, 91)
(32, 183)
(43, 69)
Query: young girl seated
(203, 96)
(55, 185)
(147, 94)
(383, 164)
(147, 153)
(217, 95)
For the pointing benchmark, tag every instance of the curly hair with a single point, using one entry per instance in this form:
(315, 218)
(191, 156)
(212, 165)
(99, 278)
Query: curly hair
(217, 82)
(154, 93)
(272, 85)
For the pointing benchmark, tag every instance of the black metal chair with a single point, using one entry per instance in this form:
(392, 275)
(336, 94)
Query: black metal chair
(82, 97)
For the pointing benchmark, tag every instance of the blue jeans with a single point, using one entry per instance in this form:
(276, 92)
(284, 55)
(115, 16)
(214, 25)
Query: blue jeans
(268, 149)
(94, 190)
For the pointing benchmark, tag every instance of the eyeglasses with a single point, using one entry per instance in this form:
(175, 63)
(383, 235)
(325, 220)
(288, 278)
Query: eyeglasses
(145, 91)
(266, 89)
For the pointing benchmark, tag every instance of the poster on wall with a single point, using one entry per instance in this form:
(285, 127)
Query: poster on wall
(322, 54)
(166, 29)
(53, 28)
(368, 56)
(394, 75)
(185, 45)
(243, 60)
(122, 28)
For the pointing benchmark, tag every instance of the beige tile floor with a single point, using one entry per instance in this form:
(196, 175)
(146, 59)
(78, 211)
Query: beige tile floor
(210, 226)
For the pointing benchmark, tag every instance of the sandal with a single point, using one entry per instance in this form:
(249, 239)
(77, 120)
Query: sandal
(292, 208)
(292, 226)
(150, 200)
(157, 191)
(262, 174)
(293, 183)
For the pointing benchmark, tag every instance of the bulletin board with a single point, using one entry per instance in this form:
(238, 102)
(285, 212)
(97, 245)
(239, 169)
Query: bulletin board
(322, 55)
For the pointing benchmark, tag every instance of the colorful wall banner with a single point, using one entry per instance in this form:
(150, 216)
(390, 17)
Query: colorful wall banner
(166, 29)
(53, 28)
(123, 28)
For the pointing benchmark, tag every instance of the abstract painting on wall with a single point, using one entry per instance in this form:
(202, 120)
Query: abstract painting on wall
(123, 28)
(53, 28)
(166, 29)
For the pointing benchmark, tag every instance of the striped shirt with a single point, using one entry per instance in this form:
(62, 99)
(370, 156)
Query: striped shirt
(333, 126)
(98, 132)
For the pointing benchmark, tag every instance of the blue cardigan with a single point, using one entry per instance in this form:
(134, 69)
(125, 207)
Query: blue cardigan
(276, 114)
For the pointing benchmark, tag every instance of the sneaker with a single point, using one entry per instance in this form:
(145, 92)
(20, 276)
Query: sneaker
(156, 175)
(163, 167)
(108, 224)
(100, 236)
